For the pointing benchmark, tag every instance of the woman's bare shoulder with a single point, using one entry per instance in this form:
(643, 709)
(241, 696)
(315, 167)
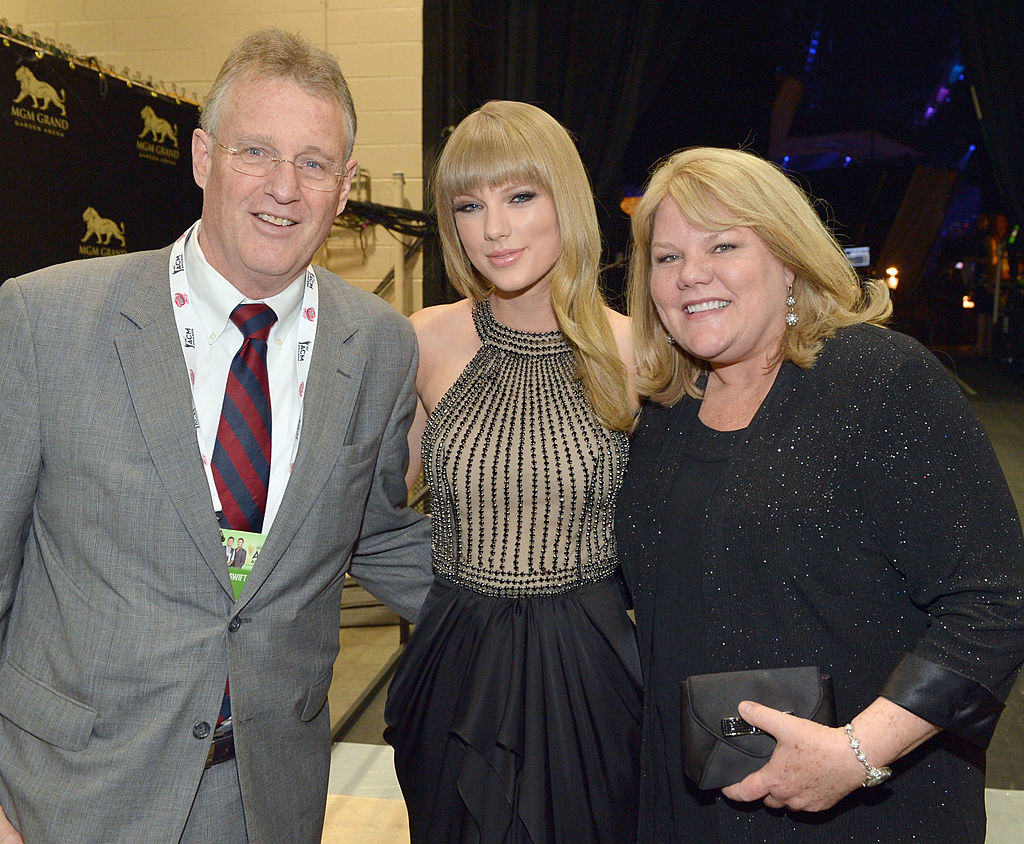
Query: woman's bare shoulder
(443, 317)
(622, 331)
(448, 340)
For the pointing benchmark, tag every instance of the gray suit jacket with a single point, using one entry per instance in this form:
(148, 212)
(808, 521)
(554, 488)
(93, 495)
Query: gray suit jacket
(117, 623)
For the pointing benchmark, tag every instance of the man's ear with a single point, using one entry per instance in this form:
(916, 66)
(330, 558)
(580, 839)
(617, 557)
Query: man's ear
(346, 184)
(202, 156)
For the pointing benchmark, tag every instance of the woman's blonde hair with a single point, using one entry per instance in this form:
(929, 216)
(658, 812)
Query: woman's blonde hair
(506, 142)
(717, 189)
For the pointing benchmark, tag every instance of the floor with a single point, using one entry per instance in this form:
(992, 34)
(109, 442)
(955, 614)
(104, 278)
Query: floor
(364, 805)
(364, 802)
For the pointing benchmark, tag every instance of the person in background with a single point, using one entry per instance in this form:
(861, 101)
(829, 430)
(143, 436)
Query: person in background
(807, 487)
(150, 402)
(515, 712)
(994, 280)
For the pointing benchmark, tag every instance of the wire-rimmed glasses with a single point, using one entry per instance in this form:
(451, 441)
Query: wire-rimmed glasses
(313, 171)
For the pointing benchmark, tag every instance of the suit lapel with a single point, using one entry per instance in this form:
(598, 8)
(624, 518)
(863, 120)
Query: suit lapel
(154, 368)
(329, 401)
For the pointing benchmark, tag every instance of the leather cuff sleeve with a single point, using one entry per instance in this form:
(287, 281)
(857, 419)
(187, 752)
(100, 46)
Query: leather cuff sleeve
(949, 700)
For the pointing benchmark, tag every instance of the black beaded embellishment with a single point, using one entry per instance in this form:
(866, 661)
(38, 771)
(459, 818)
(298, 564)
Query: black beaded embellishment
(522, 474)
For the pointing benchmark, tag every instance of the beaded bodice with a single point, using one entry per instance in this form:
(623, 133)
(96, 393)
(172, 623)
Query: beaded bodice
(522, 474)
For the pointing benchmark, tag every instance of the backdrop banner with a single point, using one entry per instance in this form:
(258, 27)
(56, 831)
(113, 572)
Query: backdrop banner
(90, 164)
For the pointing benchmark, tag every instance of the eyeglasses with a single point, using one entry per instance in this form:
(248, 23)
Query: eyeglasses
(313, 171)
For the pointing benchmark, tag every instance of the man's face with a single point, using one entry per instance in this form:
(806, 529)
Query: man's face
(260, 232)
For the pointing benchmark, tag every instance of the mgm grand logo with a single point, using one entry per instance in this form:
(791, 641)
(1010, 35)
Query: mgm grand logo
(158, 140)
(39, 106)
(102, 236)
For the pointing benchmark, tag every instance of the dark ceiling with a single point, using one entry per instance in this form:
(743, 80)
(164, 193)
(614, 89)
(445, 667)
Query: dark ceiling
(868, 72)
(864, 66)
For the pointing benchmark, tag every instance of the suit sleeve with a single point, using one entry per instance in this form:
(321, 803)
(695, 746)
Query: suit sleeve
(945, 518)
(392, 557)
(20, 435)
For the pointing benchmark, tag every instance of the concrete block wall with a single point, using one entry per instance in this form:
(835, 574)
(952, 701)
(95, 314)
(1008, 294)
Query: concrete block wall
(379, 44)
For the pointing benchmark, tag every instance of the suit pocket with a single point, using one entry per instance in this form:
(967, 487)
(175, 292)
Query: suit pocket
(316, 697)
(44, 712)
(355, 457)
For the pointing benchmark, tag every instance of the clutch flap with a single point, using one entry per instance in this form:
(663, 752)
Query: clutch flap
(712, 700)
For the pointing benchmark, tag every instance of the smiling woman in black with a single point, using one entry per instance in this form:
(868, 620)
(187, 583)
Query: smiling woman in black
(807, 488)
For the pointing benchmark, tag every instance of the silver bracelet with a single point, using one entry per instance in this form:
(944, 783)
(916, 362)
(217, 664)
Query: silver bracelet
(876, 776)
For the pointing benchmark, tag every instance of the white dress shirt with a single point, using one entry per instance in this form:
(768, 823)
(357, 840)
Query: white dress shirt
(217, 342)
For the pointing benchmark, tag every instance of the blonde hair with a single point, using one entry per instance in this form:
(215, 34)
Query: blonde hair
(506, 142)
(274, 54)
(717, 189)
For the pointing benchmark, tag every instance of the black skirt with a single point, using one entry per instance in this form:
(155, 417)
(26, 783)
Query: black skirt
(518, 719)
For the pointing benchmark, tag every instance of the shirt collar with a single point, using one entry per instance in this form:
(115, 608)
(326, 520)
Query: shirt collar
(214, 297)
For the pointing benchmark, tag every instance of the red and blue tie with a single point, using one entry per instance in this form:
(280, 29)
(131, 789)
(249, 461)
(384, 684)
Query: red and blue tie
(241, 455)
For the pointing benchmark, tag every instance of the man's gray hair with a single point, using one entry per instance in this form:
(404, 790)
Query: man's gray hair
(275, 54)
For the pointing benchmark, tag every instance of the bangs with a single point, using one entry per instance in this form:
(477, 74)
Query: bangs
(702, 208)
(488, 156)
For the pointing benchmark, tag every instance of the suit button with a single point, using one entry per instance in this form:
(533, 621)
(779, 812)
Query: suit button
(201, 730)
(234, 624)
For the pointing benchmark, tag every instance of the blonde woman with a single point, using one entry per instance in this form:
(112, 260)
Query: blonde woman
(807, 488)
(515, 712)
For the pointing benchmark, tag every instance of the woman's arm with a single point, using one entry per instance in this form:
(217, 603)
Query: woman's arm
(447, 341)
(942, 515)
(813, 766)
(419, 422)
(623, 333)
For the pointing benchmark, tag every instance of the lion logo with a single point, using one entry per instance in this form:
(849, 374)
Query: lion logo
(40, 92)
(156, 127)
(101, 228)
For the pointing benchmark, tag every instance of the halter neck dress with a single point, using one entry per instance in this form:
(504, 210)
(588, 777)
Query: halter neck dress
(515, 711)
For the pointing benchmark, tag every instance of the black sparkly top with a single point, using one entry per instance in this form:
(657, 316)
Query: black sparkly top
(522, 474)
(861, 524)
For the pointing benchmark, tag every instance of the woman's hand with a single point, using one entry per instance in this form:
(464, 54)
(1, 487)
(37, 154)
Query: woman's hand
(813, 766)
(811, 769)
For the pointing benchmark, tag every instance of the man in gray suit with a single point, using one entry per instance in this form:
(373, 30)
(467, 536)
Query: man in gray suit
(119, 628)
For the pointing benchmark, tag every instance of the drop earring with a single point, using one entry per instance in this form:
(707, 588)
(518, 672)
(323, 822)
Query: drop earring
(791, 317)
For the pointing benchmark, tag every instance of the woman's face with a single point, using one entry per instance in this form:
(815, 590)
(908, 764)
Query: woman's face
(510, 234)
(721, 295)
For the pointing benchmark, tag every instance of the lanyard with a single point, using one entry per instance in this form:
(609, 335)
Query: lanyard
(187, 321)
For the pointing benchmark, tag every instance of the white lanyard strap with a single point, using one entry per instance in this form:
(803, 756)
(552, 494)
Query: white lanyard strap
(187, 321)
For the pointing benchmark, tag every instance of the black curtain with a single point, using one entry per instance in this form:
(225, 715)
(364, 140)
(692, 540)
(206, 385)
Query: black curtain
(592, 65)
(992, 34)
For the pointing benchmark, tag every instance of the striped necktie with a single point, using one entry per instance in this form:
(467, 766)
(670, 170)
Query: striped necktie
(241, 455)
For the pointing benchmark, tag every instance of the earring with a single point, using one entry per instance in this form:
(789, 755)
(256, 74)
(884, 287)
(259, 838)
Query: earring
(791, 317)
(670, 339)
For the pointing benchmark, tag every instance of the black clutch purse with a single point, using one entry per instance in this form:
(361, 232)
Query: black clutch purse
(719, 747)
